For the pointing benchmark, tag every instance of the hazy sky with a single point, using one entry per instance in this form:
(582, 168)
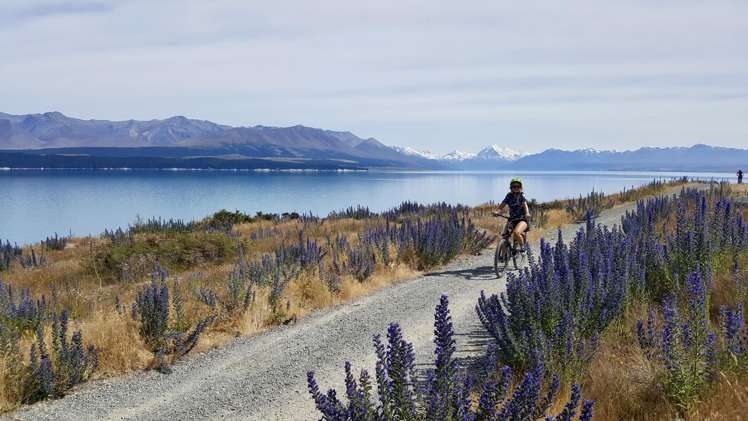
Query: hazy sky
(429, 74)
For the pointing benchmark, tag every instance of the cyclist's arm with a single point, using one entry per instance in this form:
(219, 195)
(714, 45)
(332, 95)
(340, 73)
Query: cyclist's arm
(527, 209)
(500, 211)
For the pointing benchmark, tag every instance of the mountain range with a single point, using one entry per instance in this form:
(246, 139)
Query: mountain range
(53, 140)
(182, 139)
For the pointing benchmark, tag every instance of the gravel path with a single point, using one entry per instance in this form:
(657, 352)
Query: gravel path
(263, 377)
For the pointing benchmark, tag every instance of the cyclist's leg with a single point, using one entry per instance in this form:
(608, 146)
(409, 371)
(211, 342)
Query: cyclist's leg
(508, 229)
(518, 233)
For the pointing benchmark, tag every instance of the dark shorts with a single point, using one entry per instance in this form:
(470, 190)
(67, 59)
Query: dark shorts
(510, 225)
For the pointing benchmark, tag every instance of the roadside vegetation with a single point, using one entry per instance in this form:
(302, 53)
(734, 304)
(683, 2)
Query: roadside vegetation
(141, 297)
(647, 319)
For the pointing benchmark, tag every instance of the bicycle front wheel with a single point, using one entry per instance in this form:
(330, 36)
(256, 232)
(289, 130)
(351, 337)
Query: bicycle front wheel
(519, 259)
(501, 258)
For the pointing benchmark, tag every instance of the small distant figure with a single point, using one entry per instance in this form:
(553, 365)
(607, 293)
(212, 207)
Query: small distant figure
(740, 176)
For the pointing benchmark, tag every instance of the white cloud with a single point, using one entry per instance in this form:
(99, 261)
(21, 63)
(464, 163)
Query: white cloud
(590, 73)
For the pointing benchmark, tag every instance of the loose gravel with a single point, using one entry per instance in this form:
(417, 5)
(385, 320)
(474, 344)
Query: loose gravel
(263, 377)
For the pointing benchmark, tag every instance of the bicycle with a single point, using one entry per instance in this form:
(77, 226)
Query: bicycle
(506, 250)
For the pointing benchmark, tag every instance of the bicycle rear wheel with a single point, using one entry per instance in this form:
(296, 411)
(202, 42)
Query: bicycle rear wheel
(501, 258)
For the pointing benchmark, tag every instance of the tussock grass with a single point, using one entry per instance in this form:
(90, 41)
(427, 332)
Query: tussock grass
(116, 335)
(728, 401)
(621, 380)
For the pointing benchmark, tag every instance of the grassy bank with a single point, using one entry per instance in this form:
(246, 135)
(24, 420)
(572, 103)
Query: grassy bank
(143, 296)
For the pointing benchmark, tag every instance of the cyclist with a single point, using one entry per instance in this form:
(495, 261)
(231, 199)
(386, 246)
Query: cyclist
(519, 213)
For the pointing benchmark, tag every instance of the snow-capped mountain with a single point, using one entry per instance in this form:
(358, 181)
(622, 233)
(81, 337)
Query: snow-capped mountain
(458, 156)
(490, 157)
(499, 152)
(492, 152)
(407, 150)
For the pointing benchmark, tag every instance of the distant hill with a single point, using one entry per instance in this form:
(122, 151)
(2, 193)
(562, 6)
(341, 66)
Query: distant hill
(694, 158)
(55, 130)
(55, 140)
(55, 133)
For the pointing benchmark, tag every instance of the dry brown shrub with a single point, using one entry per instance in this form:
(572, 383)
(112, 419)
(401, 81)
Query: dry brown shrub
(352, 288)
(309, 293)
(10, 377)
(728, 401)
(117, 341)
(620, 378)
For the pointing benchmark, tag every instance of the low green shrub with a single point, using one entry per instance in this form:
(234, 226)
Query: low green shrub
(131, 260)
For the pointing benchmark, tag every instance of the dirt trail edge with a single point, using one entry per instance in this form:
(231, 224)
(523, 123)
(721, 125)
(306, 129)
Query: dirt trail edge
(263, 377)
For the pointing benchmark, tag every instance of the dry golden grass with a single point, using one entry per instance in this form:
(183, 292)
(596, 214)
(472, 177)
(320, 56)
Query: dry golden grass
(352, 289)
(10, 391)
(724, 286)
(488, 223)
(621, 380)
(556, 219)
(116, 337)
(728, 401)
(739, 189)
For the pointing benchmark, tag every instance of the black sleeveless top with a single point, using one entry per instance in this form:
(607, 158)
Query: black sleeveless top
(516, 205)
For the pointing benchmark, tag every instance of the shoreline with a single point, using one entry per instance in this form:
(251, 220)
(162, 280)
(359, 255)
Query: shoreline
(725, 174)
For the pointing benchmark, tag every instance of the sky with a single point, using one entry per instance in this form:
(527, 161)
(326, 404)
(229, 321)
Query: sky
(433, 75)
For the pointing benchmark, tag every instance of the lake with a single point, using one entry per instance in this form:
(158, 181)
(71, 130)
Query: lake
(36, 203)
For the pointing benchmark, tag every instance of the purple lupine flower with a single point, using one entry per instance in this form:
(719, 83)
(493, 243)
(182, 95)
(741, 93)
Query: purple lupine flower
(669, 333)
(524, 399)
(400, 363)
(687, 336)
(570, 409)
(328, 404)
(152, 308)
(487, 402)
(463, 404)
(444, 364)
(711, 357)
(697, 299)
(504, 383)
(586, 414)
(732, 324)
(384, 388)
(550, 397)
(359, 407)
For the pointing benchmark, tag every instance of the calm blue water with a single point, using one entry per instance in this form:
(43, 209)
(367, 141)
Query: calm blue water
(35, 204)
